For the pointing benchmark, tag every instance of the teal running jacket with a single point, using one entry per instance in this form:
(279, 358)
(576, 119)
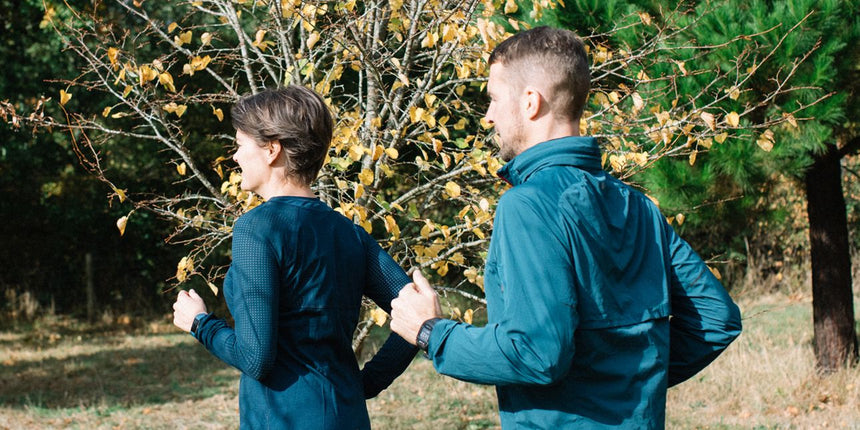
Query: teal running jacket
(595, 305)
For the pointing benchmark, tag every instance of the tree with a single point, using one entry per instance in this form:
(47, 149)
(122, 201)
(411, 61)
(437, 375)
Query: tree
(55, 213)
(728, 186)
(410, 160)
(810, 152)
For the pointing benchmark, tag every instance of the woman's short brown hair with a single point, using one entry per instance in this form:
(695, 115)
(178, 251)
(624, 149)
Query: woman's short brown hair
(294, 116)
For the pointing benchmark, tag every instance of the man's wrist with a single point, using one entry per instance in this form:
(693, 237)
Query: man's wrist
(422, 341)
(195, 325)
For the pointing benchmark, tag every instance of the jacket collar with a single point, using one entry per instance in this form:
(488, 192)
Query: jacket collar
(580, 152)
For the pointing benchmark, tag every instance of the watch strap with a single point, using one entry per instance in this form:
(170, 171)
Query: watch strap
(196, 323)
(423, 339)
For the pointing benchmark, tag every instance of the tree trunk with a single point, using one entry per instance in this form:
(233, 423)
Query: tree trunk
(91, 292)
(832, 301)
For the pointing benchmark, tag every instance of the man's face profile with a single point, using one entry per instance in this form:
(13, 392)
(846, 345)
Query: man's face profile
(504, 113)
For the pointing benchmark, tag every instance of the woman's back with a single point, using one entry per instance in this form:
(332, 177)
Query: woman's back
(310, 260)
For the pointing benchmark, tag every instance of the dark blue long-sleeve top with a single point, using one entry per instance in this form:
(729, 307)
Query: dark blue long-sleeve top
(294, 289)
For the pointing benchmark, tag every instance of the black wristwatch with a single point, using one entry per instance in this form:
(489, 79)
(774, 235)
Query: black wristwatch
(196, 322)
(424, 333)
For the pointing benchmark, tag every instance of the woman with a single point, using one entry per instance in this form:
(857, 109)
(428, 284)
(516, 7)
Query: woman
(295, 284)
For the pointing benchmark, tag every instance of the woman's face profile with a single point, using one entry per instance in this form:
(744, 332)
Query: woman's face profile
(252, 162)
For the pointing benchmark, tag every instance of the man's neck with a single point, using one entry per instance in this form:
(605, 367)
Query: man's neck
(542, 131)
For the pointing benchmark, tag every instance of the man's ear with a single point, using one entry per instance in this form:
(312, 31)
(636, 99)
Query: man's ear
(532, 102)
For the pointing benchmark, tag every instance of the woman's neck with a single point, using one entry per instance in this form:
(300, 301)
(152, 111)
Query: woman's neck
(288, 189)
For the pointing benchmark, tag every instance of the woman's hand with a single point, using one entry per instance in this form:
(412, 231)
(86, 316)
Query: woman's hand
(188, 305)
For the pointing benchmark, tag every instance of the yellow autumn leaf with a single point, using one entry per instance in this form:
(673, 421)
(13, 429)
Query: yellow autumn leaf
(680, 218)
(442, 271)
(391, 226)
(510, 7)
(452, 189)
(146, 74)
(429, 40)
(415, 114)
(765, 141)
(681, 67)
(312, 40)
(172, 27)
(120, 224)
(616, 162)
(167, 80)
(213, 288)
(120, 193)
(427, 229)
(693, 157)
(183, 38)
(638, 103)
(113, 55)
(640, 158)
(126, 91)
(467, 316)
(471, 274)
(355, 152)
(790, 118)
(183, 268)
(392, 153)
(715, 272)
(733, 92)
(173, 108)
(106, 111)
(181, 168)
(709, 119)
(205, 38)
(720, 138)
(379, 316)
(366, 176)
(733, 119)
(218, 113)
(64, 97)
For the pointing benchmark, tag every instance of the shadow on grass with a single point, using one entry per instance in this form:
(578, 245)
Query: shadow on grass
(116, 376)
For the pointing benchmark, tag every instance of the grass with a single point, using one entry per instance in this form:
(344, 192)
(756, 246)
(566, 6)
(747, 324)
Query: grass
(65, 375)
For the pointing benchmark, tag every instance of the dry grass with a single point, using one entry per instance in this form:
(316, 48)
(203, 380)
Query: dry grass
(767, 378)
(59, 374)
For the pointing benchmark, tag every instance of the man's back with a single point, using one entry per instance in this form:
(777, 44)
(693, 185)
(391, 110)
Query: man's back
(579, 284)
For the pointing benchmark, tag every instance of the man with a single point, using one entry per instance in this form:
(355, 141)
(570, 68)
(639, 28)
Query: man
(583, 272)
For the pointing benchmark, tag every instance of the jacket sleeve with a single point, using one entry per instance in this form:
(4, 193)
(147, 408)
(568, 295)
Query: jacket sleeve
(384, 280)
(251, 345)
(532, 338)
(704, 318)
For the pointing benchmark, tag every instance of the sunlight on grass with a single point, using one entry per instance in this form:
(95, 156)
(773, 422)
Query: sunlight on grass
(65, 375)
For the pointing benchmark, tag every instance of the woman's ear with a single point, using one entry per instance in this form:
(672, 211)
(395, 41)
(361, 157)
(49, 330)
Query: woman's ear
(273, 151)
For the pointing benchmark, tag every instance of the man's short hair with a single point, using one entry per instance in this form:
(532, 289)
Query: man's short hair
(294, 116)
(559, 55)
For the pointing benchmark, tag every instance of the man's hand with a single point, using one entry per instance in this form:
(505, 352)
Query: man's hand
(416, 303)
(187, 306)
